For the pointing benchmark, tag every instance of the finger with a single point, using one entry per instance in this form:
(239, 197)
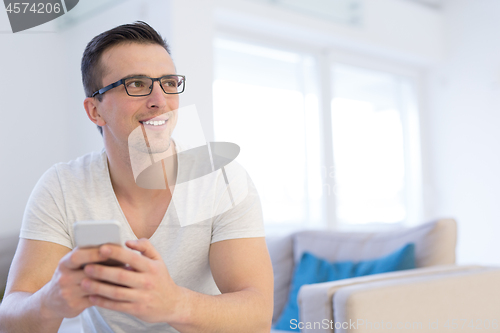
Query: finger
(78, 257)
(115, 275)
(77, 276)
(72, 279)
(126, 256)
(116, 293)
(145, 247)
(109, 304)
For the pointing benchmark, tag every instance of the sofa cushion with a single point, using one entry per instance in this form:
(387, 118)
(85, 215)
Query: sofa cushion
(312, 270)
(281, 253)
(434, 243)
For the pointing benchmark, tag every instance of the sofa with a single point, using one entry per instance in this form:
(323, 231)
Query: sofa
(435, 296)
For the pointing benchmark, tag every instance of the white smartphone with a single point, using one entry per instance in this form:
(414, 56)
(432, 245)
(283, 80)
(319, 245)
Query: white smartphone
(97, 233)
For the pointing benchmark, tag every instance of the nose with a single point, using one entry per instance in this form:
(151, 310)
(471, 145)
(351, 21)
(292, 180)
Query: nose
(157, 99)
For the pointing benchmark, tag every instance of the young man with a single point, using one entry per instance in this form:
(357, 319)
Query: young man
(211, 276)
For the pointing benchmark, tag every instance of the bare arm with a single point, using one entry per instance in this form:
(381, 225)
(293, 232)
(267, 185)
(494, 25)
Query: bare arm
(32, 267)
(243, 272)
(20, 312)
(43, 286)
(241, 268)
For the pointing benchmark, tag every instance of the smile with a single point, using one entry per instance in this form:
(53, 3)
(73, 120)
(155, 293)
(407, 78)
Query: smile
(154, 122)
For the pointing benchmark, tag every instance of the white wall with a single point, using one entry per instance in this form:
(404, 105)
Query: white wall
(34, 123)
(192, 35)
(463, 122)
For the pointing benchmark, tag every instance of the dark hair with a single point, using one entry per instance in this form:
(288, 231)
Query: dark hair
(92, 71)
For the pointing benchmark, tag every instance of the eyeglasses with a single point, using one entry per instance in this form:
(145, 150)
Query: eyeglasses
(137, 86)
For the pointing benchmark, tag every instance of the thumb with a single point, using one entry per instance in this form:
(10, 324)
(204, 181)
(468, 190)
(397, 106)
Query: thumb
(144, 246)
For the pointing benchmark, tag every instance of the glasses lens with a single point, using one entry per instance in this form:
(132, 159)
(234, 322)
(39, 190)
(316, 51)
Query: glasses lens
(172, 84)
(138, 86)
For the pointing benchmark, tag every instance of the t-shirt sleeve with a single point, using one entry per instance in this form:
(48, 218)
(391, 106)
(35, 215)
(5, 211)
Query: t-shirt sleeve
(238, 210)
(45, 215)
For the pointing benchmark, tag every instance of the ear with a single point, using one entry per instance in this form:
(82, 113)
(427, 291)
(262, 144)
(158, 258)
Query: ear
(91, 107)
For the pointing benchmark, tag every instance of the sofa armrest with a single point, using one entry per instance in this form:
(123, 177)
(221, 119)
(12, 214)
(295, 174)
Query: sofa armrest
(8, 247)
(315, 300)
(465, 300)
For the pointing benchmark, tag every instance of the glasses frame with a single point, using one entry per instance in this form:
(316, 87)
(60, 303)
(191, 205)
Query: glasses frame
(122, 81)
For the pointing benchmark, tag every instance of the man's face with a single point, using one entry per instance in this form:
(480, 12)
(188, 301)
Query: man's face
(123, 113)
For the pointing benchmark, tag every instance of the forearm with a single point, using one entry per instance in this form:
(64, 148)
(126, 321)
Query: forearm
(23, 312)
(242, 311)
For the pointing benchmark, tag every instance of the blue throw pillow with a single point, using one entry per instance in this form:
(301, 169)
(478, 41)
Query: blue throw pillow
(312, 269)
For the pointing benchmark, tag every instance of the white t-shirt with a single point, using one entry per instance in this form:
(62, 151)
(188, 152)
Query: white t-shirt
(82, 190)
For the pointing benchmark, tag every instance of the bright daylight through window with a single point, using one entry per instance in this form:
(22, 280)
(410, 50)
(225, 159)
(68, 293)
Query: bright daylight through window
(368, 146)
(267, 101)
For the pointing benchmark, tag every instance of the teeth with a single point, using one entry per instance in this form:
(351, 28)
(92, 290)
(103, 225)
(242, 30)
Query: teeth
(155, 122)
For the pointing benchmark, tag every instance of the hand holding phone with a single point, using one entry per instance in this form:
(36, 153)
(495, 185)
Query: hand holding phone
(97, 233)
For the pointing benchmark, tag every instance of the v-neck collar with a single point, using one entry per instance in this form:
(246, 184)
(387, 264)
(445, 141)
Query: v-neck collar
(110, 188)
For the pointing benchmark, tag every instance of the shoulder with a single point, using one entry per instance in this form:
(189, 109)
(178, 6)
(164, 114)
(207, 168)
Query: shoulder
(89, 171)
(85, 166)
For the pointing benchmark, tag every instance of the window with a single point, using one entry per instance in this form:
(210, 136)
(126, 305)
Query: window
(368, 146)
(268, 101)
(265, 100)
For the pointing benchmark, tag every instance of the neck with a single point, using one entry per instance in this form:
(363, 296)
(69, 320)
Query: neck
(123, 173)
